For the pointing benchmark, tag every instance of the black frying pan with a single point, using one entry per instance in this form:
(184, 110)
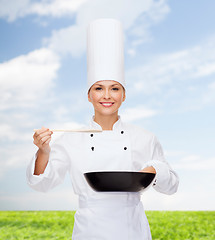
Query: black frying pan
(118, 181)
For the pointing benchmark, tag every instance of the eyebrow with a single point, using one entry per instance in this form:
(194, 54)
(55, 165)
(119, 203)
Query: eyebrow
(111, 85)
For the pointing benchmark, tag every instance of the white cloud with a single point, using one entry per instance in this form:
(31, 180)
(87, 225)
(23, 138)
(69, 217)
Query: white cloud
(181, 201)
(138, 32)
(135, 16)
(15, 155)
(183, 78)
(212, 86)
(159, 10)
(12, 129)
(70, 40)
(171, 154)
(156, 10)
(131, 52)
(56, 8)
(126, 11)
(136, 113)
(209, 94)
(26, 78)
(25, 82)
(56, 199)
(6, 131)
(183, 161)
(195, 163)
(12, 10)
(168, 70)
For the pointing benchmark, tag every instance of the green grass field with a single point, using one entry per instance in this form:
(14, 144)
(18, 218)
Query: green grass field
(165, 225)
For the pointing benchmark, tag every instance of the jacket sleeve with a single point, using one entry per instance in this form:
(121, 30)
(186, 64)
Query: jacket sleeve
(166, 179)
(55, 171)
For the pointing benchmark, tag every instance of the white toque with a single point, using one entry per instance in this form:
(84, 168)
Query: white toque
(105, 51)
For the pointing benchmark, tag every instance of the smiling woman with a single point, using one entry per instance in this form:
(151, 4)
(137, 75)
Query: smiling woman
(108, 215)
(106, 97)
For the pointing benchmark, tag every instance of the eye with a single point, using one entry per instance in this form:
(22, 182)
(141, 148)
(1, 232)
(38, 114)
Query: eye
(115, 89)
(98, 88)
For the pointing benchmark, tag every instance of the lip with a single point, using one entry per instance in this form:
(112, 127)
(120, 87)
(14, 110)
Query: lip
(107, 104)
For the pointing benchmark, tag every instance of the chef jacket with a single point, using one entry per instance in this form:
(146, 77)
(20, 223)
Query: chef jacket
(106, 215)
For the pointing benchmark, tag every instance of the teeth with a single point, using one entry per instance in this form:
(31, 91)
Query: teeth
(107, 104)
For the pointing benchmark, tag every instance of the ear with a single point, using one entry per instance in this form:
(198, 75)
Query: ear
(89, 99)
(124, 96)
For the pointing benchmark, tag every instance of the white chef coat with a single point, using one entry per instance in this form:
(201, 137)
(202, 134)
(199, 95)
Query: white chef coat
(106, 215)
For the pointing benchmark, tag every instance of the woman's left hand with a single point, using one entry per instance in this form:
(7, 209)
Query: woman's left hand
(149, 170)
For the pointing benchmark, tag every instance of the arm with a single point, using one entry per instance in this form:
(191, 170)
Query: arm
(48, 167)
(42, 138)
(166, 180)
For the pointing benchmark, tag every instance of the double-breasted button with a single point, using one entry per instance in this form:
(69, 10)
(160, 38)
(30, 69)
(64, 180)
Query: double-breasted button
(155, 182)
(91, 135)
(92, 148)
(125, 148)
(122, 132)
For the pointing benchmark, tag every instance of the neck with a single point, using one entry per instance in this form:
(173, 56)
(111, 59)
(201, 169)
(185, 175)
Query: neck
(106, 122)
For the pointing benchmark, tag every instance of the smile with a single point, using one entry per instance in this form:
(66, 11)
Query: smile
(106, 104)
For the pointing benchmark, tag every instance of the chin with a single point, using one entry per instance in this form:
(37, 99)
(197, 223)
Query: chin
(107, 112)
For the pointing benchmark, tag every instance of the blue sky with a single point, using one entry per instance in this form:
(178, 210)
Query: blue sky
(170, 75)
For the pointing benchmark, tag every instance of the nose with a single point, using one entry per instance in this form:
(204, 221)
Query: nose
(107, 94)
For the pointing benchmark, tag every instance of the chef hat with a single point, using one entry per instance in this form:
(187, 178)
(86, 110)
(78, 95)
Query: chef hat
(105, 51)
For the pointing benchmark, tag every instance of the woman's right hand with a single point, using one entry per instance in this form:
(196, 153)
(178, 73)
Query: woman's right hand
(42, 138)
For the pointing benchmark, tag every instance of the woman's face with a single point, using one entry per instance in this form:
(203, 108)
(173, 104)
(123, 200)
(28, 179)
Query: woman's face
(106, 96)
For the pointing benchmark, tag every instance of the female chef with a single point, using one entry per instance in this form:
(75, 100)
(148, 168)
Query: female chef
(120, 146)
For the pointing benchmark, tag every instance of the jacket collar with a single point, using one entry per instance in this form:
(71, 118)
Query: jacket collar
(117, 125)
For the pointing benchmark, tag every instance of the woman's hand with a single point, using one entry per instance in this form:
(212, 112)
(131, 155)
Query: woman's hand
(149, 170)
(42, 138)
